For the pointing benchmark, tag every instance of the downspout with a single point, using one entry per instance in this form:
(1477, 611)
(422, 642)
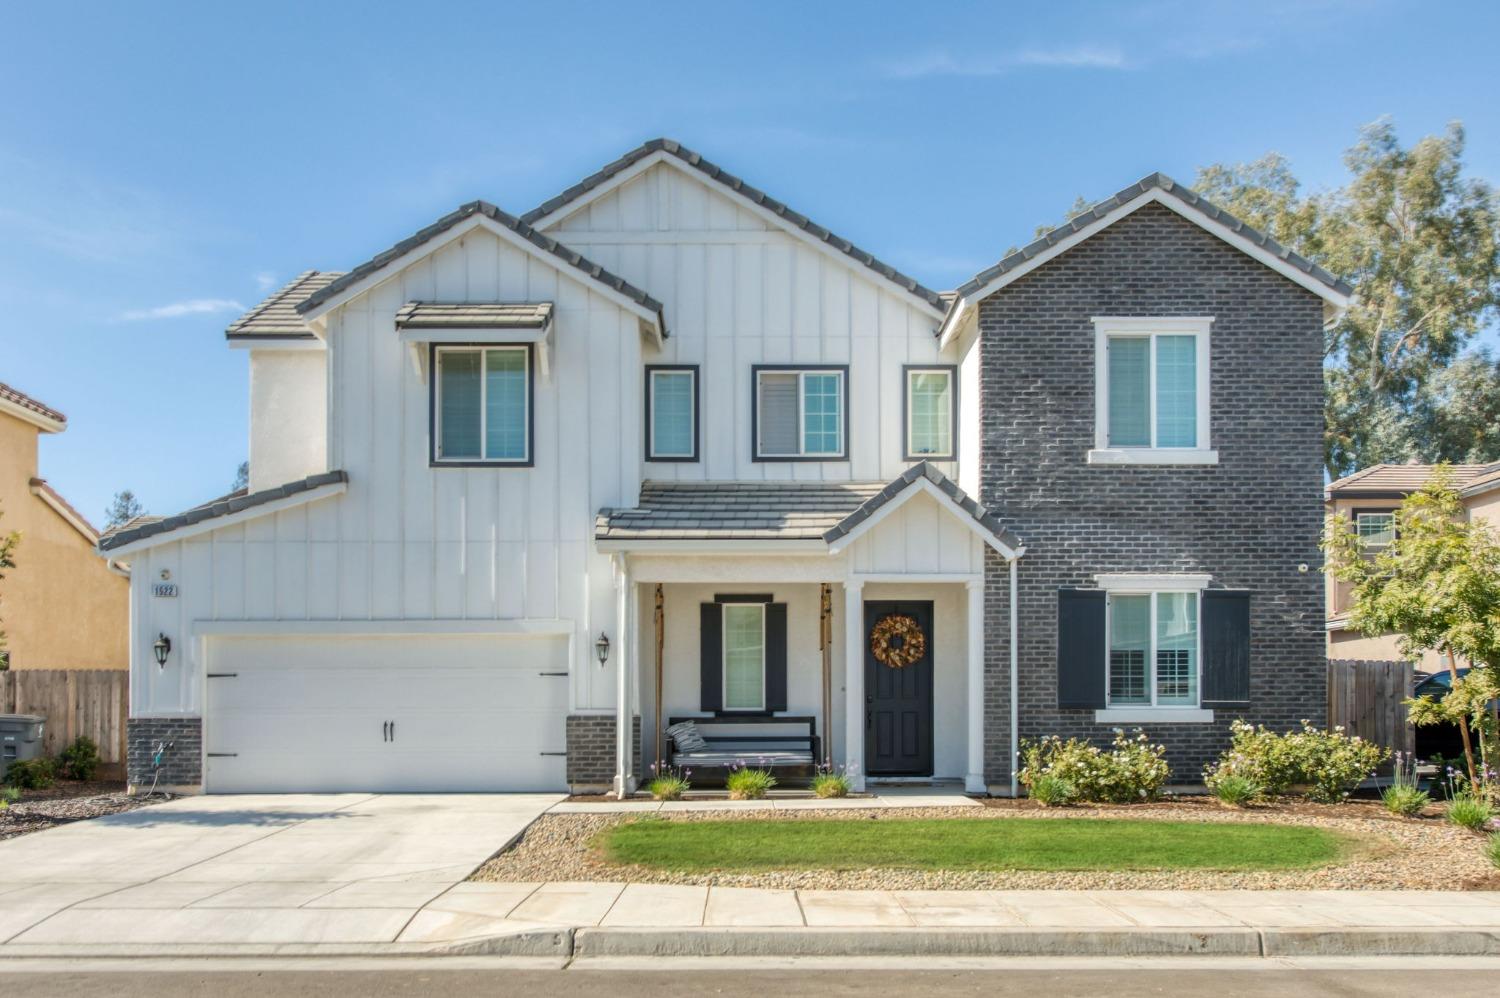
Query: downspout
(1015, 712)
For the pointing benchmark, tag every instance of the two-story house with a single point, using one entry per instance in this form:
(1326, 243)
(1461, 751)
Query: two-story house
(525, 489)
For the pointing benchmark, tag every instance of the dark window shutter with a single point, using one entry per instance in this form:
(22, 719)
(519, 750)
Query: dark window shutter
(711, 664)
(775, 657)
(1226, 648)
(1080, 648)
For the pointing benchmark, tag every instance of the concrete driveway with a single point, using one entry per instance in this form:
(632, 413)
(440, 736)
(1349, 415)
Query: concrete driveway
(273, 870)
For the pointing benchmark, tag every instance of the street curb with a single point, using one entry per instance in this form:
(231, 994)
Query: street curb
(1425, 941)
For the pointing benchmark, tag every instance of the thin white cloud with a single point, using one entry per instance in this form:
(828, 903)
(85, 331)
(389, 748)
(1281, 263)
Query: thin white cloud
(944, 63)
(265, 281)
(178, 309)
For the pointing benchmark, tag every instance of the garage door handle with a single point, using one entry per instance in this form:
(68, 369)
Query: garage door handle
(551, 673)
(393, 731)
(552, 753)
(223, 675)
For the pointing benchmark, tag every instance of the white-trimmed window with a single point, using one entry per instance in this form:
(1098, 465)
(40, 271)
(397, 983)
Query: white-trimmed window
(481, 405)
(1375, 529)
(1152, 391)
(744, 656)
(931, 393)
(801, 413)
(1153, 649)
(672, 413)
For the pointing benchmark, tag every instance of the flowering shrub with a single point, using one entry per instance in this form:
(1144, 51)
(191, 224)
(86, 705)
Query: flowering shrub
(1331, 763)
(831, 782)
(1131, 770)
(669, 783)
(749, 784)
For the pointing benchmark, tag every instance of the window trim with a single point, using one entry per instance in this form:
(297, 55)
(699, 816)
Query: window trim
(1106, 327)
(725, 605)
(1152, 586)
(907, 370)
(842, 370)
(651, 371)
(434, 411)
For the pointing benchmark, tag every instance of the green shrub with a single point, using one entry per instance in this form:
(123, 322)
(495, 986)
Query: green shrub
(1330, 763)
(1492, 850)
(8, 796)
(1470, 811)
(1131, 770)
(1237, 791)
(669, 784)
(749, 784)
(1404, 797)
(1052, 791)
(31, 774)
(80, 760)
(832, 783)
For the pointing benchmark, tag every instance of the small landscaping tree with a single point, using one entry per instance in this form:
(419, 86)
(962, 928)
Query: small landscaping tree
(1436, 585)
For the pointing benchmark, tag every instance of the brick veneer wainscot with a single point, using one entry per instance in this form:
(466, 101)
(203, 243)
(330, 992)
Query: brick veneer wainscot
(181, 763)
(1248, 521)
(591, 750)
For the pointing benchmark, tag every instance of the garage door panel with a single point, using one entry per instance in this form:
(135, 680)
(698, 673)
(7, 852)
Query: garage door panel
(309, 714)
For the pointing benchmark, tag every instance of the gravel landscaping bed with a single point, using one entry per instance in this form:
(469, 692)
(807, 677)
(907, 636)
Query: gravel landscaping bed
(1387, 852)
(66, 802)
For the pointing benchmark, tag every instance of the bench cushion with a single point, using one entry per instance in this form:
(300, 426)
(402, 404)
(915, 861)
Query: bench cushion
(686, 737)
(749, 757)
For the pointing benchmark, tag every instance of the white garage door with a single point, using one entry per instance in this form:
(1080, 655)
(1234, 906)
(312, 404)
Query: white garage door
(433, 713)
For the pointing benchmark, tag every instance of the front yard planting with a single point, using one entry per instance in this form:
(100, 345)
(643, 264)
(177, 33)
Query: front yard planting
(966, 844)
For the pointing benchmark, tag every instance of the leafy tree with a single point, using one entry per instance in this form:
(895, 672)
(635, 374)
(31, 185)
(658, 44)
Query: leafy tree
(1420, 242)
(241, 477)
(8, 544)
(1437, 587)
(122, 509)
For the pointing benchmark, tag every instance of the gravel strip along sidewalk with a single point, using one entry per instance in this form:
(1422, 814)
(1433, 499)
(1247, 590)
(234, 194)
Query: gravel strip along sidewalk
(1417, 854)
(48, 810)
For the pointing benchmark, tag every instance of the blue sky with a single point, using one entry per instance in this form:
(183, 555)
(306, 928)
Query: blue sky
(163, 165)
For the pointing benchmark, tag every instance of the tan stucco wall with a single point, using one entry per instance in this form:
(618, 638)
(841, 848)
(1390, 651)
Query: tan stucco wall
(60, 607)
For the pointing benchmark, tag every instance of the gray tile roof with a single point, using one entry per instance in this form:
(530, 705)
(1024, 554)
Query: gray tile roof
(276, 317)
(743, 189)
(25, 401)
(143, 527)
(782, 511)
(523, 229)
(1159, 181)
(1394, 480)
(946, 485)
(473, 315)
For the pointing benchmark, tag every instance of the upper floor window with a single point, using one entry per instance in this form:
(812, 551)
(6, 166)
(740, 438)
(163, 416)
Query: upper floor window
(1375, 530)
(672, 413)
(930, 397)
(1152, 386)
(481, 405)
(801, 413)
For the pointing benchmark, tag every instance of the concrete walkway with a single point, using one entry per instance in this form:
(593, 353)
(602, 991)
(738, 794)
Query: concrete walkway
(296, 869)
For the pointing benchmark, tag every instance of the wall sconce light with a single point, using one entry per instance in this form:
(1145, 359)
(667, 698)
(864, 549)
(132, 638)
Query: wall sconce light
(601, 648)
(162, 647)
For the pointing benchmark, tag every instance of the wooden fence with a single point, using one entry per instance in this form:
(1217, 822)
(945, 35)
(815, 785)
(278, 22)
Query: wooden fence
(75, 702)
(1366, 698)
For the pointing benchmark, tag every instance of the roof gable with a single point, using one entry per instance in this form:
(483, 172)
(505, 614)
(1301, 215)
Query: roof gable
(674, 154)
(477, 214)
(276, 318)
(922, 479)
(1157, 188)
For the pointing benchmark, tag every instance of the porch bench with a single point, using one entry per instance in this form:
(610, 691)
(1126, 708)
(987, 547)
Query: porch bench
(774, 751)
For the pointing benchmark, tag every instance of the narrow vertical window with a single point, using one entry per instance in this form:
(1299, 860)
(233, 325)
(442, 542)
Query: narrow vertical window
(1176, 391)
(929, 413)
(744, 656)
(822, 413)
(1129, 649)
(1129, 391)
(460, 388)
(672, 413)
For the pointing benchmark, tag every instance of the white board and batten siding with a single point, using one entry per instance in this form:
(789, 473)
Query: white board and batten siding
(411, 542)
(740, 290)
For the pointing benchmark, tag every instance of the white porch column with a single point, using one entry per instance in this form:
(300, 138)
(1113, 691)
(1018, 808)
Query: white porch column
(854, 681)
(974, 781)
(624, 672)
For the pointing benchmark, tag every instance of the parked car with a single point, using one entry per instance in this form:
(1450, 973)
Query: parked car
(1435, 740)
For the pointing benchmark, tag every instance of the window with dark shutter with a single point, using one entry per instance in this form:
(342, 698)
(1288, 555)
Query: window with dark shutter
(1226, 648)
(1081, 644)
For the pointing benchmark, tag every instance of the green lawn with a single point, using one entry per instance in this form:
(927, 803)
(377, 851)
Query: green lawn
(967, 844)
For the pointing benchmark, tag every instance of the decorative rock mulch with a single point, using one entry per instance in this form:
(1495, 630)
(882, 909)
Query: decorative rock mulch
(1390, 853)
(68, 802)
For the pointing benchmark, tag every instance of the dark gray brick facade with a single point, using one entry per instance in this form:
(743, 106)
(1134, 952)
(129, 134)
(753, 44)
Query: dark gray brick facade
(591, 750)
(181, 762)
(1248, 521)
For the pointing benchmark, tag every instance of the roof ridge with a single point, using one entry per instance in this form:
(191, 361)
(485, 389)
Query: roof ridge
(748, 191)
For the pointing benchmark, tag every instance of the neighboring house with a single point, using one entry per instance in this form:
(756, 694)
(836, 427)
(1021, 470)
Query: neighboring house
(1369, 500)
(61, 607)
(499, 468)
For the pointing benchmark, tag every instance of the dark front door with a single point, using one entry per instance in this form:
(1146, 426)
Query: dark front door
(898, 700)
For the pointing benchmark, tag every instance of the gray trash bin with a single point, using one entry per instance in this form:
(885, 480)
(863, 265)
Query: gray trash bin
(20, 738)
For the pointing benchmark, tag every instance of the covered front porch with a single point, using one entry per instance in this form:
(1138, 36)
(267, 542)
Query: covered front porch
(869, 635)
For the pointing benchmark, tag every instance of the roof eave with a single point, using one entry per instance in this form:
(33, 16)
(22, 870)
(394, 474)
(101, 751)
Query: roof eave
(42, 421)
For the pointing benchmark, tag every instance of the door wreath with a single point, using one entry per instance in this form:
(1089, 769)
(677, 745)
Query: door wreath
(897, 641)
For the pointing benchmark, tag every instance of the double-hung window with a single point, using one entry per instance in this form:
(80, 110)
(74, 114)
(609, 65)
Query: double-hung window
(744, 656)
(672, 413)
(1376, 529)
(801, 413)
(1153, 649)
(481, 405)
(1152, 388)
(931, 394)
